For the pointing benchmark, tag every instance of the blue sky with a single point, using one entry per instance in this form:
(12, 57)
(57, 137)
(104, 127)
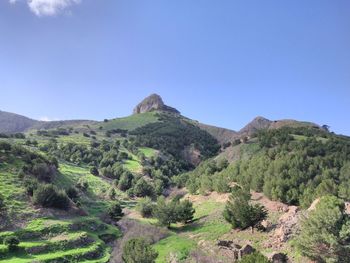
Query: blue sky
(220, 62)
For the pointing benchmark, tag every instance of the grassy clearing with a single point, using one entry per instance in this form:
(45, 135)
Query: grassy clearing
(208, 225)
(131, 122)
(148, 152)
(178, 245)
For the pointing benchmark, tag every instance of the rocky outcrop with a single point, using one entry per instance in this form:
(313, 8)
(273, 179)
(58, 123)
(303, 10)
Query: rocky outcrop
(153, 103)
(236, 251)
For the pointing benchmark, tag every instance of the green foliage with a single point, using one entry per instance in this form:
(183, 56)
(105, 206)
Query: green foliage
(48, 195)
(254, 258)
(11, 242)
(240, 213)
(146, 207)
(325, 233)
(137, 250)
(296, 171)
(173, 211)
(94, 171)
(2, 204)
(72, 193)
(205, 178)
(172, 134)
(143, 188)
(115, 211)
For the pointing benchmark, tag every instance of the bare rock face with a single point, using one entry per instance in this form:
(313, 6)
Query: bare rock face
(152, 103)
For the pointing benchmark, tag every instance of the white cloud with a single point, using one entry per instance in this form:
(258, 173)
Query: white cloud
(45, 118)
(48, 7)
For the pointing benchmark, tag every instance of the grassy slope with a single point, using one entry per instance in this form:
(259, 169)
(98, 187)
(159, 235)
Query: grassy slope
(129, 123)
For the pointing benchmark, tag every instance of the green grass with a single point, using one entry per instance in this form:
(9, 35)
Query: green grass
(148, 152)
(180, 246)
(53, 236)
(133, 166)
(129, 123)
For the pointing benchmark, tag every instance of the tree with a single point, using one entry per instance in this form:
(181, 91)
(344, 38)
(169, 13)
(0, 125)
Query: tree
(164, 212)
(11, 242)
(184, 212)
(240, 213)
(146, 207)
(138, 250)
(115, 211)
(325, 232)
(173, 211)
(48, 195)
(143, 188)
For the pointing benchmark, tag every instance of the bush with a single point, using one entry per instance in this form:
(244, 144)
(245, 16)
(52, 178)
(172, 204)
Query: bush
(146, 207)
(2, 204)
(48, 195)
(82, 184)
(137, 250)
(94, 171)
(72, 193)
(254, 258)
(115, 211)
(11, 242)
(31, 185)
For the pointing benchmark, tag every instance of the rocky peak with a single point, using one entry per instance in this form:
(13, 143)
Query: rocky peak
(153, 103)
(257, 124)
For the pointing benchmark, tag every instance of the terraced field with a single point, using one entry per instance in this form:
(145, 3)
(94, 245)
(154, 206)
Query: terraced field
(51, 240)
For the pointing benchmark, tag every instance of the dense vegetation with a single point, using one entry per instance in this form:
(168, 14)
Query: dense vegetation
(325, 232)
(292, 165)
(172, 134)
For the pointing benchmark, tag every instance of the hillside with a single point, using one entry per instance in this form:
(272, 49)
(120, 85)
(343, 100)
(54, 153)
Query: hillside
(78, 191)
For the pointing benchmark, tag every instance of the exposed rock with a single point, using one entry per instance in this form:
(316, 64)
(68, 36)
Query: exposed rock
(236, 251)
(152, 103)
(287, 224)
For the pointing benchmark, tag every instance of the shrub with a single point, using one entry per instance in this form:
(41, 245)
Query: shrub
(137, 250)
(72, 193)
(42, 171)
(11, 242)
(94, 171)
(115, 211)
(82, 184)
(254, 258)
(2, 204)
(30, 185)
(48, 195)
(146, 207)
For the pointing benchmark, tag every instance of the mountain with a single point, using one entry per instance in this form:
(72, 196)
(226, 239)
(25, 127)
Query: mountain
(153, 103)
(12, 123)
(261, 123)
